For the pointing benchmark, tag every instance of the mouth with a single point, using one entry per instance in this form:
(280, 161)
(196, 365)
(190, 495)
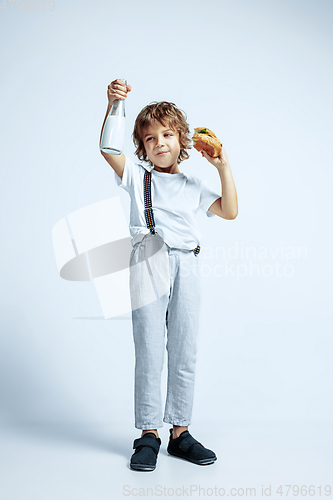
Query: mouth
(161, 153)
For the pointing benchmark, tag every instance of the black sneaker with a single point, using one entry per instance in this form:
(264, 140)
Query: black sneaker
(146, 450)
(185, 446)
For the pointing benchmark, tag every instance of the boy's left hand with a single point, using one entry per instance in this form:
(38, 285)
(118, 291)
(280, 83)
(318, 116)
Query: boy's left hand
(219, 161)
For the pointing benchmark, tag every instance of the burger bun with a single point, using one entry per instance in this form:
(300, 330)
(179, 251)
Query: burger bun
(205, 140)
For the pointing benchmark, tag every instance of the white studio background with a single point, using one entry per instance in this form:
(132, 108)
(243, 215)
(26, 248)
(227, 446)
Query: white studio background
(258, 73)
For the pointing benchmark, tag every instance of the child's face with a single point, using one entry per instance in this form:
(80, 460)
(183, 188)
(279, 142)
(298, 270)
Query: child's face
(161, 145)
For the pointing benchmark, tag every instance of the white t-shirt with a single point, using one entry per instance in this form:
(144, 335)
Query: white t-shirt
(176, 199)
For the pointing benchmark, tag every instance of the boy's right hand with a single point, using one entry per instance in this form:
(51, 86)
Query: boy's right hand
(117, 90)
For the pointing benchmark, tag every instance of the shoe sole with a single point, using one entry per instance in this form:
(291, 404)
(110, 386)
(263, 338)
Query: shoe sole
(142, 467)
(204, 461)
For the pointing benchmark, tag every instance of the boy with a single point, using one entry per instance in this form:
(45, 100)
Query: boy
(161, 136)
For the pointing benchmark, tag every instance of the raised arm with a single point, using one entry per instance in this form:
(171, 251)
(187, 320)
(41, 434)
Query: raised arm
(226, 206)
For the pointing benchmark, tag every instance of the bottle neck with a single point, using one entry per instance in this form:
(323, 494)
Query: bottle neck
(117, 108)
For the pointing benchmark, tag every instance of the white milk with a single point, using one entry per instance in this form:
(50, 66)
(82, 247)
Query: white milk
(113, 135)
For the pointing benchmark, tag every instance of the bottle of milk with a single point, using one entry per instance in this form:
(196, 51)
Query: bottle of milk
(113, 135)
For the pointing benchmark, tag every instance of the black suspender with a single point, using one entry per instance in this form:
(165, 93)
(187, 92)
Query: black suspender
(149, 216)
(147, 199)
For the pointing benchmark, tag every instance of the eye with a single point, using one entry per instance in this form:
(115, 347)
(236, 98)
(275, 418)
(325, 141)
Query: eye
(148, 139)
(167, 133)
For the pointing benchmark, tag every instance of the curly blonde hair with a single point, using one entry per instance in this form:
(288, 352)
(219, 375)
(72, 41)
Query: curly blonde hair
(167, 114)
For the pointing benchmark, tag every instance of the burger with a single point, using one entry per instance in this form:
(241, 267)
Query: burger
(205, 140)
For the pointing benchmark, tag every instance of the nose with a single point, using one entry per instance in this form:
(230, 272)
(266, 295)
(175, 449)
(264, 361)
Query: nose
(159, 140)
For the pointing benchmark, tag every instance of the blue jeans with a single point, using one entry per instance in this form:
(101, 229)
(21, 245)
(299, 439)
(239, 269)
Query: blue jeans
(177, 313)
